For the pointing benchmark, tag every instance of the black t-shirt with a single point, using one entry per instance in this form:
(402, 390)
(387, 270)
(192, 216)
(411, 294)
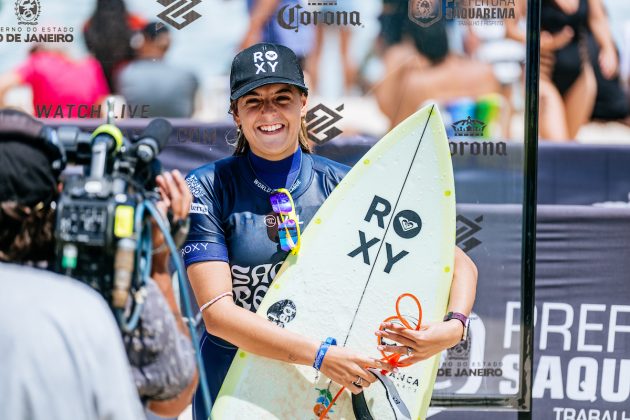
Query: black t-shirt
(231, 211)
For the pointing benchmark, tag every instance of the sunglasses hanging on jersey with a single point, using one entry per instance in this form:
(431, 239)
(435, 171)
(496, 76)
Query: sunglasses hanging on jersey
(289, 226)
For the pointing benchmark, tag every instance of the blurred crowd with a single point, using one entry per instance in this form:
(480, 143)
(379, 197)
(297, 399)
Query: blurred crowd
(470, 67)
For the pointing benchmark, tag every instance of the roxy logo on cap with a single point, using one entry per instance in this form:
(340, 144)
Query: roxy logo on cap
(267, 61)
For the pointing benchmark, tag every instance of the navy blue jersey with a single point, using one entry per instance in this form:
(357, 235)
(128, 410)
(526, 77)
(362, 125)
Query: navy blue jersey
(232, 221)
(231, 211)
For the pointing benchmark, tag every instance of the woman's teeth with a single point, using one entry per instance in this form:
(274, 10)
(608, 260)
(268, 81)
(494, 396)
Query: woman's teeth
(269, 128)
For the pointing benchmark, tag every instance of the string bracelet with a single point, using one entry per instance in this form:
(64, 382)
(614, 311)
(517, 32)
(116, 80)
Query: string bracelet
(212, 301)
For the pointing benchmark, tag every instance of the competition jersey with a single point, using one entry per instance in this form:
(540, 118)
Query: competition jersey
(231, 208)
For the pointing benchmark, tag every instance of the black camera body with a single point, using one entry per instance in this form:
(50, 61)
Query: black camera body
(102, 236)
(86, 229)
(98, 237)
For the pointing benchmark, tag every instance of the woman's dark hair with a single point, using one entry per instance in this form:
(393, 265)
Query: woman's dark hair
(27, 233)
(242, 146)
(108, 36)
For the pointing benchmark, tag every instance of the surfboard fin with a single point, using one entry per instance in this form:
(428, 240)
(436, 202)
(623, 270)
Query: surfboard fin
(400, 410)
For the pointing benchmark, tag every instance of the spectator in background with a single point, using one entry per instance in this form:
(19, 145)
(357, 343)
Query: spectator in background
(574, 34)
(108, 34)
(344, 37)
(149, 80)
(59, 83)
(264, 27)
(419, 66)
(611, 102)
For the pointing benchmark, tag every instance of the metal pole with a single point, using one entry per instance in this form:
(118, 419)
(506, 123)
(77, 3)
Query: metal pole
(528, 268)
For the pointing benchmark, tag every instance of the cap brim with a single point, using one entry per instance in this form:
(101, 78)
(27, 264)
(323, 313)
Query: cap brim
(262, 82)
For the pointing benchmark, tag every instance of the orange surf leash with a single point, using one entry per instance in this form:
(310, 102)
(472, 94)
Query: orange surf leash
(393, 359)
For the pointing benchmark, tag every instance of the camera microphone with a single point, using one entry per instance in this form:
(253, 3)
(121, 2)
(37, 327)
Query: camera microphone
(153, 139)
(107, 139)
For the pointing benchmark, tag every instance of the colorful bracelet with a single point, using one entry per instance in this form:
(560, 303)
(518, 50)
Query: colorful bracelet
(323, 348)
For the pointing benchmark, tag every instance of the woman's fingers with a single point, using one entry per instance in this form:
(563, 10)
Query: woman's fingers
(396, 337)
(394, 349)
(402, 331)
(353, 388)
(368, 377)
(361, 379)
(379, 364)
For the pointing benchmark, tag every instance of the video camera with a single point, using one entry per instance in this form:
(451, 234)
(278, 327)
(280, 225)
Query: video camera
(102, 236)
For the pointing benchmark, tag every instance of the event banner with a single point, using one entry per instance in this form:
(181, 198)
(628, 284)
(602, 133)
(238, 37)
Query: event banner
(582, 338)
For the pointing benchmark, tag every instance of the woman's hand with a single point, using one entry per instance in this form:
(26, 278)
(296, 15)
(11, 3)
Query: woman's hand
(345, 367)
(428, 341)
(550, 42)
(608, 62)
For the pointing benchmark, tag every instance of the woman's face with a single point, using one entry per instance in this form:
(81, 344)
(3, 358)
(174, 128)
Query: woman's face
(270, 117)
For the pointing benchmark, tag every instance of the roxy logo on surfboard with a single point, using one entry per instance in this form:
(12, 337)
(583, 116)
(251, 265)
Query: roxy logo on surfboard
(407, 224)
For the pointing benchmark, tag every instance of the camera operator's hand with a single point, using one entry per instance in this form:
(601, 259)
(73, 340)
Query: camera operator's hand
(175, 196)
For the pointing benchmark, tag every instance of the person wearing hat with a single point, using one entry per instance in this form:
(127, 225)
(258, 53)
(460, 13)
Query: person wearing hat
(62, 355)
(45, 317)
(235, 248)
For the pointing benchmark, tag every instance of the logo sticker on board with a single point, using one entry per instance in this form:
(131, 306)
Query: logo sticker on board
(282, 312)
(407, 224)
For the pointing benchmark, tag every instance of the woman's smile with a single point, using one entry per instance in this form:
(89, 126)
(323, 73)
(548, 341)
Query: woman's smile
(271, 128)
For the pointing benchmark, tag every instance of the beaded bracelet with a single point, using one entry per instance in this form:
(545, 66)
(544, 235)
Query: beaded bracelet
(323, 348)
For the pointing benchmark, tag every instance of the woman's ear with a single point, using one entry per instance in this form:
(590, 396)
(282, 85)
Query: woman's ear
(234, 112)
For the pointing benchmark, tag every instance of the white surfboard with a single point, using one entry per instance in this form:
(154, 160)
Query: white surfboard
(387, 229)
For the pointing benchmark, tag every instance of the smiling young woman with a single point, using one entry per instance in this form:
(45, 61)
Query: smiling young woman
(233, 251)
(271, 121)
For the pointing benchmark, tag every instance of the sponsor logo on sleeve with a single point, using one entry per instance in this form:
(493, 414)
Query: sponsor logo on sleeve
(199, 208)
(196, 189)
